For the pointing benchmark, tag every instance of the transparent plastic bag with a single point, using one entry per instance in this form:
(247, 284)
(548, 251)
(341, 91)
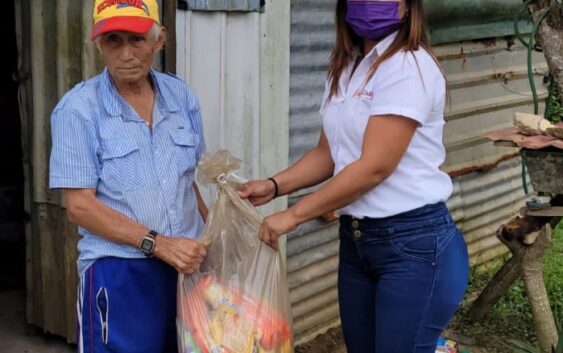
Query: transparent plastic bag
(238, 301)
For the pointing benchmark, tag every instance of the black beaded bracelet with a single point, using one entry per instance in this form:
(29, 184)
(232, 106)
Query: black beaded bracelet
(276, 189)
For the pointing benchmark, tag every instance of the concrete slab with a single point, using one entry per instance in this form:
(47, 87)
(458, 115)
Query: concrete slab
(17, 337)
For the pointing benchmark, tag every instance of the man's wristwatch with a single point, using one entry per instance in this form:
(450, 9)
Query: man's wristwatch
(148, 242)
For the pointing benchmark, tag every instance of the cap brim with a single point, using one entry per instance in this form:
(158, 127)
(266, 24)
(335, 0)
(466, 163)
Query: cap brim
(138, 25)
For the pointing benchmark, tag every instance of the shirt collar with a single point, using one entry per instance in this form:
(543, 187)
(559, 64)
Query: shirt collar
(382, 46)
(113, 101)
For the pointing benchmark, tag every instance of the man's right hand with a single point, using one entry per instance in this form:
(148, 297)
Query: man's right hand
(185, 255)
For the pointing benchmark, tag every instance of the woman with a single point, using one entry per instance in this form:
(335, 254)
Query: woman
(403, 264)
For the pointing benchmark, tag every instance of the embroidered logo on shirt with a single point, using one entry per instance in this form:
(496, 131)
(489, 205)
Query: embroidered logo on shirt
(365, 95)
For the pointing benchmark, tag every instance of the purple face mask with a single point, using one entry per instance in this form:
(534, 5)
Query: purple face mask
(373, 19)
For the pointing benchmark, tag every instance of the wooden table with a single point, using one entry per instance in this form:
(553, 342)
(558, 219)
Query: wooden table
(527, 236)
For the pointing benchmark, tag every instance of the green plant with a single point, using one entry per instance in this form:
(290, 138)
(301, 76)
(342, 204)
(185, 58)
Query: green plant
(522, 347)
(554, 110)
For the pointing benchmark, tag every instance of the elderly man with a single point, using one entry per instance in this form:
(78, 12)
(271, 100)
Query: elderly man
(125, 147)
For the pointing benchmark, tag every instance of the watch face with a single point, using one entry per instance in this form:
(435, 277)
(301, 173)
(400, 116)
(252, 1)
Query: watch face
(147, 245)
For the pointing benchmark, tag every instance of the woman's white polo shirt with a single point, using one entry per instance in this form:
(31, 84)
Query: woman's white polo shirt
(407, 84)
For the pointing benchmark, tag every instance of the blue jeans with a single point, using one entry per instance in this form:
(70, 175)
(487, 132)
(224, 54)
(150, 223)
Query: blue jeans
(400, 280)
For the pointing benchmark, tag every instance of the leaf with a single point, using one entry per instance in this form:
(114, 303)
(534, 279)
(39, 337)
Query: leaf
(522, 347)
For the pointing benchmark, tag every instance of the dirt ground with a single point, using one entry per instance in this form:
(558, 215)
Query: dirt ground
(330, 342)
(17, 337)
(464, 342)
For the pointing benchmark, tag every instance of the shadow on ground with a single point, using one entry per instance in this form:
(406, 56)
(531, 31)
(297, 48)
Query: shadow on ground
(17, 337)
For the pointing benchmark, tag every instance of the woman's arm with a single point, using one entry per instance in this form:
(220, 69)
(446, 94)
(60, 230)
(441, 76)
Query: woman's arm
(313, 168)
(385, 141)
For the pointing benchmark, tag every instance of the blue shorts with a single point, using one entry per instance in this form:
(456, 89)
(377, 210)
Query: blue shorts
(127, 305)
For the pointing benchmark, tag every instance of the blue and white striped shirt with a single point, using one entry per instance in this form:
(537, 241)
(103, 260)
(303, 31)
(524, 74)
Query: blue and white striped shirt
(100, 142)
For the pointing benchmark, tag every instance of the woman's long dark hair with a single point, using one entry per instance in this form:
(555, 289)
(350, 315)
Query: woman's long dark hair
(411, 36)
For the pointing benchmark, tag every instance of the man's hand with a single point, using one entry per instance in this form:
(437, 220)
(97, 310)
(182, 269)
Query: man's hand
(258, 192)
(185, 255)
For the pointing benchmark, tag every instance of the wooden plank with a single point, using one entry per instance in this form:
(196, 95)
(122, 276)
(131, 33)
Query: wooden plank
(169, 21)
(51, 258)
(551, 212)
(71, 277)
(35, 279)
(54, 276)
(505, 144)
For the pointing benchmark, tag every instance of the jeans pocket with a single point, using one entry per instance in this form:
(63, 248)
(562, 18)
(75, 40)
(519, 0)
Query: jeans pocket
(445, 238)
(416, 246)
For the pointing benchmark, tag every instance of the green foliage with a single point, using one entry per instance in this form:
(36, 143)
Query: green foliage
(554, 111)
(524, 347)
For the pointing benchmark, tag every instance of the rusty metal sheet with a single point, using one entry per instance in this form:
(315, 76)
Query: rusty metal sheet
(506, 137)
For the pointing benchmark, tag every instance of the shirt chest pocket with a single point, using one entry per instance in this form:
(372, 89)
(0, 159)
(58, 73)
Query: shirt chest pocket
(184, 150)
(122, 168)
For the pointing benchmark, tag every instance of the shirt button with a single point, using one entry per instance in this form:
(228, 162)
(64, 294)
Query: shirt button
(355, 224)
(357, 234)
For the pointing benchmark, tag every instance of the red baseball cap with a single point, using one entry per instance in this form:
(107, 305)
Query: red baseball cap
(136, 16)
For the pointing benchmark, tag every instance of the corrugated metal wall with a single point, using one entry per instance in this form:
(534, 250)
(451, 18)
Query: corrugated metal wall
(487, 83)
(222, 5)
(456, 20)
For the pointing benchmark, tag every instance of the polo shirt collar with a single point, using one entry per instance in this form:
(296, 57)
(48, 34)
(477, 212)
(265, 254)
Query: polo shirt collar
(382, 46)
(114, 103)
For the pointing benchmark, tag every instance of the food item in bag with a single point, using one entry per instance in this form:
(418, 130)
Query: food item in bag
(235, 322)
(238, 301)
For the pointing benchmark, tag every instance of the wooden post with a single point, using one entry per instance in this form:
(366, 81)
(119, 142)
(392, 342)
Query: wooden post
(550, 37)
(532, 275)
(510, 234)
(496, 288)
(527, 238)
(169, 21)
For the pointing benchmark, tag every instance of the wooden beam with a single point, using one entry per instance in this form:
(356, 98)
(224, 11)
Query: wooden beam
(550, 212)
(169, 21)
(532, 275)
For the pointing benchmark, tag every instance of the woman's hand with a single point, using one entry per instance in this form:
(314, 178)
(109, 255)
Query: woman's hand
(276, 225)
(258, 192)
